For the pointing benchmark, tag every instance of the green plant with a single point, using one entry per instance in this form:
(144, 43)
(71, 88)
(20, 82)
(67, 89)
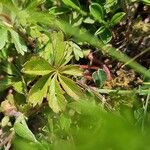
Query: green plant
(54, 81)
(43, 44)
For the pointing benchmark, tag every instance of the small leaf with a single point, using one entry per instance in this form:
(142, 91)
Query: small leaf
(3, 37)
(39, 90)
(96, 11)
(58, 10)
(58, 48)
(71, 3)
(88, 20)
(77, 51)
(56, 100)
(5, 121)
(18, 87)
(71, 70)
(117, 18)
(99, 77)
(70, 87)
(19, 43)
(24, 132)
(37, 66)
(104, 34)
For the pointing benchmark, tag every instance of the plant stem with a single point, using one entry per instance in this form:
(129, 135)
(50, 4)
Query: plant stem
(107, 91)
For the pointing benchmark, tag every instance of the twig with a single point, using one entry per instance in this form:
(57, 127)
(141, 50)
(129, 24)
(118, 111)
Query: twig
(134, 58)
(107, 91)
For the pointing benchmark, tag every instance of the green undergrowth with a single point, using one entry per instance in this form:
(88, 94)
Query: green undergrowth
(74, 75)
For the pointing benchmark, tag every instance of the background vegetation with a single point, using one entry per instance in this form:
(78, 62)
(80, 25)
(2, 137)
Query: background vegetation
(74, 74)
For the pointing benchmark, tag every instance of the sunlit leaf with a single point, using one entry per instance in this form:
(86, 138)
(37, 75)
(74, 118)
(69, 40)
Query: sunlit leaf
(70, 87)
(5, 121)
(39, 90)
(72, 70)
(3, 37)
(19, 43)
(77, 51)
(56, 100)
(58, 47)
(37, 66)
(18, 87)
(72, 3)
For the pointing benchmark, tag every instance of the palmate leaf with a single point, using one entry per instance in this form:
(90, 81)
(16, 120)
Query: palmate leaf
(39, 90)
(37, 66)
(71, 70)
(56, 100)
(70, 87)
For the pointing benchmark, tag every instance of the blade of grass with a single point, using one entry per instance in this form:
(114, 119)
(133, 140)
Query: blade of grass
(114, 53)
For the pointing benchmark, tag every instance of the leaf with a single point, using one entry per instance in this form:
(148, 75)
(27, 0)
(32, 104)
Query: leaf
(56, 100)
(58, 10)
(96, 11)
(147, 2)
(19, 43)
(39, 90)
(18, 87)
(37, 66)
(24, 132)
(3, 37)
(88, 20)
(34, 4)
(5, 121)
(58, 47)
(70, 87)
(99, 77)
(71, 3)
(117, 18)
(71, 70)
(104, 34)
(77, 51)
